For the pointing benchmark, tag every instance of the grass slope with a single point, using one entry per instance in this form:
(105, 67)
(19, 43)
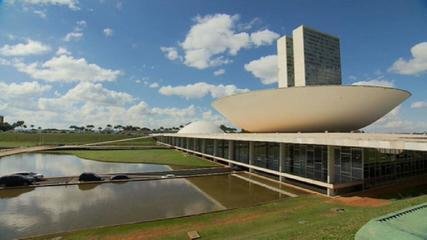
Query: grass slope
(155, 156)
(18, 139)
(305, 217)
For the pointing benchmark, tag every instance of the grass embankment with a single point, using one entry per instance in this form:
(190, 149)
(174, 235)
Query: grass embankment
(19, 139)
(135, 142)
(171, 157)
(304, 217)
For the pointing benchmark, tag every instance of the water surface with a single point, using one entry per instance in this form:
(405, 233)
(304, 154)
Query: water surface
(44, 210)
(56, 165)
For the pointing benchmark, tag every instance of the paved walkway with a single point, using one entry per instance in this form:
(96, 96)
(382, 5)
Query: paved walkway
(114, 141)
(145, 176)
(13, 151)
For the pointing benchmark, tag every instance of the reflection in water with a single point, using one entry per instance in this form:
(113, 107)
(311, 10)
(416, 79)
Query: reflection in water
(233, 192)
(56, 165)
(35, 211)
(55, 209)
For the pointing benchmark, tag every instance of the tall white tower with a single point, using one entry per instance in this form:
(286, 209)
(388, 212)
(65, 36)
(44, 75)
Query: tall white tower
(308, 58)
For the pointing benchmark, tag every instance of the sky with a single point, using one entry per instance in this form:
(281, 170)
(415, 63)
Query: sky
(161, 63)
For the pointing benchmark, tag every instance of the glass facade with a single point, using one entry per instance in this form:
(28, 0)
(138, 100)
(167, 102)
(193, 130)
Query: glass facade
(209, 146)
(266, 155)
(348, 164)
(384, 165)
(222, 149)
(372, 166)
(308, 161)
(241, 151)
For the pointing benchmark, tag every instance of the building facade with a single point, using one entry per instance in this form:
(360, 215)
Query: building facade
(326, 163)
(285, 62)
(308, 58)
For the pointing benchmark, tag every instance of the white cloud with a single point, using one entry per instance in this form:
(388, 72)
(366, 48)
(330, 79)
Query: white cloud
(73, 36)
(21, 95)
(62, 51)
(174, 112)
(419, 104)
(90, 103)
(264, 68)
(86, 93)
(80, 25)
(201, 89)
(65, 68)
(86, 103)
(213, 38)
(219, 72)
(72, 4)
(77, 32)
(375, 82)
(247, 26)
(23, 89)
(265, 37)
(31, 47)
(415, 66)
(154, 85)
(171, 53)
(394, 122)
(108, 32)
(40, 13)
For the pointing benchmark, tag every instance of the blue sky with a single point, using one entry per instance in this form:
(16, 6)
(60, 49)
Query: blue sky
(161, 63)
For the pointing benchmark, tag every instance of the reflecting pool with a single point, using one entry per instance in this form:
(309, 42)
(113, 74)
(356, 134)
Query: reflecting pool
(56, 165)
(44, 210)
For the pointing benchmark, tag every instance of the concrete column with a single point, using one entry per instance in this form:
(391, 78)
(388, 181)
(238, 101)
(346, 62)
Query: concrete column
(251, 154)
(194, 144)
(282, 157)
(187, 143)
(331, 169)
(215, 147)
(230, 151)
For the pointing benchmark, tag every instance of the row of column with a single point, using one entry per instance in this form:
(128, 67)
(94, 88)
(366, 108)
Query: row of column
(283, 156)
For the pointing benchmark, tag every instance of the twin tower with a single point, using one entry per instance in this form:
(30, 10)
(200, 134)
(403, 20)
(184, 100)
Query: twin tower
(308, 58)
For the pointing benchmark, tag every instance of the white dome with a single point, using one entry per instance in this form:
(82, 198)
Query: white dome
(201, 127)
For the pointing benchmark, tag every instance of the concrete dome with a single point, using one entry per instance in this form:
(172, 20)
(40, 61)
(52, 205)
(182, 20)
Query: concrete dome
(201, 127)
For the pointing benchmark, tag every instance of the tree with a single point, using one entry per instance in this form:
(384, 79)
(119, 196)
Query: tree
(89, 127)
(18, 124)
(74, 127)
(227, 129)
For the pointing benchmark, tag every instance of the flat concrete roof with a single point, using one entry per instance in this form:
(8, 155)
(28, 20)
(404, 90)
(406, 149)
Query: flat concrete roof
(363, 140)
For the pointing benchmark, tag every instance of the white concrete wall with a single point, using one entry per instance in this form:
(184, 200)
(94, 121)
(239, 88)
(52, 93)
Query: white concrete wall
(281, 63)
(299, 59)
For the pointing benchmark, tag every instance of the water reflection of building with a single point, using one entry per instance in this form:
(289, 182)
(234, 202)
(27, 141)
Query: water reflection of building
(301, 132)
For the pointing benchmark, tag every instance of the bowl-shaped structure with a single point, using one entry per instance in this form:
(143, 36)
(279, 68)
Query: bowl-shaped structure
(310, 108)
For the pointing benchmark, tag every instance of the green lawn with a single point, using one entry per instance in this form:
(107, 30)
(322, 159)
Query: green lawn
(155, 156)
(18, 139)
(305, 217)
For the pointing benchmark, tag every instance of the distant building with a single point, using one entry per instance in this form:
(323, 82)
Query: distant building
(308, 58)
